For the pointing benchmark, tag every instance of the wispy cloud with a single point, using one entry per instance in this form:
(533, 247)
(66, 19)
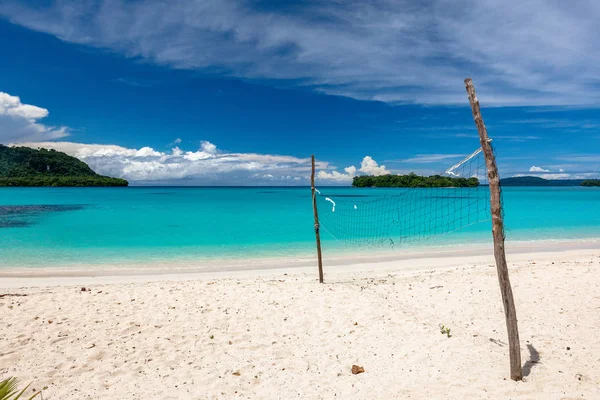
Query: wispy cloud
(580, 158)
(135, 82)
(428, 158)
(515, 138)
(511, 138)
(579, 125)
(522, 53)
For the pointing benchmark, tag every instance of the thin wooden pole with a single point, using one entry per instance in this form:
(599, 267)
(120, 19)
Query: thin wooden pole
(510, 313)
(316, 213)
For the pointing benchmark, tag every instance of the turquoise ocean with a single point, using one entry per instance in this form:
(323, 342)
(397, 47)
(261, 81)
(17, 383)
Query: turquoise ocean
(45, 227)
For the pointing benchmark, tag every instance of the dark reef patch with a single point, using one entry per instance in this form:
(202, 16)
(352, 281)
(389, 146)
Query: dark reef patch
(38, 209)
(19, 216)
(14, 224)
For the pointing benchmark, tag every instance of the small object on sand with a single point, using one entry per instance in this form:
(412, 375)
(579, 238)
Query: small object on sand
(357, 370)
(83, 289)
(236, 373)
(568, 348)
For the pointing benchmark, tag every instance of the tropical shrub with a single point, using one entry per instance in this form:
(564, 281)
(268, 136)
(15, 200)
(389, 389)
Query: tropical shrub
(9, 390)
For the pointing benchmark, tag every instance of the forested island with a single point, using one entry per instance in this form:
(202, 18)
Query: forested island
(23, 166)
(437, 181)
(413, 181)
(591, 182)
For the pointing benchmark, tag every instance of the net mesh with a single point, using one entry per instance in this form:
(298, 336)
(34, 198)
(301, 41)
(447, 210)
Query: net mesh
(391, 216)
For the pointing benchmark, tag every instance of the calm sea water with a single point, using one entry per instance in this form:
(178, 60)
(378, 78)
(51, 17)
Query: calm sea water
(69, 226)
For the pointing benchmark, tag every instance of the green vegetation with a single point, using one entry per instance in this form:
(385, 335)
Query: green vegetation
(8, 390)
(591, 182)
(23, 166)
(79, 181)
(413, 181)
(445, 330)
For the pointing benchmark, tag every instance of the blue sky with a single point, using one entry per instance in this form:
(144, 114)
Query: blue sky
(223, 92)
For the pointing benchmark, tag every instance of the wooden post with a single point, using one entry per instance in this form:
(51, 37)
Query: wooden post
(316, 213)
(510, 313)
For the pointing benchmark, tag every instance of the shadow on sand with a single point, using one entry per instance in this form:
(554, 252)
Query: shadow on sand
(534, 358)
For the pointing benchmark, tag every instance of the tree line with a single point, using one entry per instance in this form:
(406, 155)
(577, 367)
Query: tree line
(76, 181)
(413, 181)
(591, 182)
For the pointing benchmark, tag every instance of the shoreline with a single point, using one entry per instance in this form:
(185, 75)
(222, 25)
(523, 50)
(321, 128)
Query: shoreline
(398, 260)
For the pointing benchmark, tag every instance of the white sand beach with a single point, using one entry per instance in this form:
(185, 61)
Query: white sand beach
(279, 334)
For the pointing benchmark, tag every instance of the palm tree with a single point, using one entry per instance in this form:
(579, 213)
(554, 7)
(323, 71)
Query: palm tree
(8, 390)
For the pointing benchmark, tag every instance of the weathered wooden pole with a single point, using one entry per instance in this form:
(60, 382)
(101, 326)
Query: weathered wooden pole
(316, 213)
(516, 372)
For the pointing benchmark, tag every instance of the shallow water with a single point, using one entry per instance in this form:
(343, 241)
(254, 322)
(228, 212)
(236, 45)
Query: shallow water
(70, 226)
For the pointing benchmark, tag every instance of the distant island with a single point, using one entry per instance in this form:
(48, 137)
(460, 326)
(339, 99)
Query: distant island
(591, 182)
(537, 181)
(437, 181)
(23, 166)
(413, 181)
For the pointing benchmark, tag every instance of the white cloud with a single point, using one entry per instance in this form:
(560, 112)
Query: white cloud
(12, 106)
(208, 147)
(208, 165)
(147, 152)
(334, 176)
(556, 176)
(20, 122)
(368, 166)
(538, 169)
(351, 170)
(522, 53)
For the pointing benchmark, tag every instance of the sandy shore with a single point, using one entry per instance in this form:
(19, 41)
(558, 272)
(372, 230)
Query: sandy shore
(279, 334)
